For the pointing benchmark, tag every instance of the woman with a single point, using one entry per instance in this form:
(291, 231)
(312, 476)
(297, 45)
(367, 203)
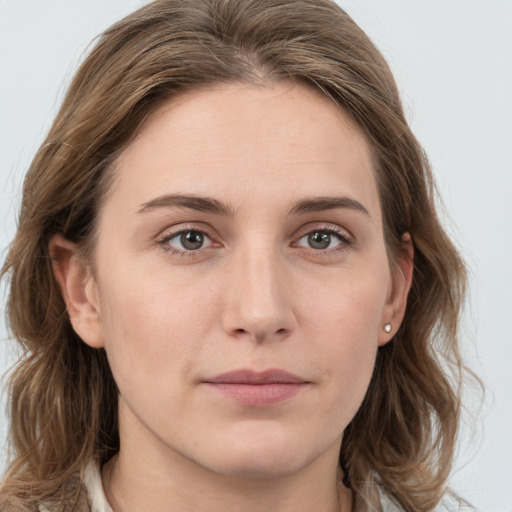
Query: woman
(229, 277)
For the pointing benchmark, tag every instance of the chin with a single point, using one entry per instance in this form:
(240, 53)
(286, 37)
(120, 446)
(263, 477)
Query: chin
(258, 468)
(260, 458)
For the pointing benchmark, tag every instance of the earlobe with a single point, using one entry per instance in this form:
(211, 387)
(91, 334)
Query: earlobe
(394, 310)
(79, 290)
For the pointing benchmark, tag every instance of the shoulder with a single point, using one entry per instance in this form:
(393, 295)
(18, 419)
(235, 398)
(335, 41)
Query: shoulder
(449, 503)
(96, 495)
(452, 503)
(73, 497)
(88, 491)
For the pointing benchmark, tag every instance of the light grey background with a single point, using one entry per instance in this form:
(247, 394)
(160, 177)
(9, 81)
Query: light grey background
(453, 62)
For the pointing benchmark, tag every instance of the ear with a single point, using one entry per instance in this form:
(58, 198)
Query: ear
(396, 302)
(79, 290)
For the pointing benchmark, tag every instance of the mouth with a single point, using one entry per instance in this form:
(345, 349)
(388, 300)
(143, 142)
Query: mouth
(257, 389)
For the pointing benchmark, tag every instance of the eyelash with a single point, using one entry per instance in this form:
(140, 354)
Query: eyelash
(164, 241)
(346, 241)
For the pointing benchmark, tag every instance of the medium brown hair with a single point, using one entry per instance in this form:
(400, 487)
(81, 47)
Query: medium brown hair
(63, 398)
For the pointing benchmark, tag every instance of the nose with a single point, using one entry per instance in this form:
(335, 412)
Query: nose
(258, 302)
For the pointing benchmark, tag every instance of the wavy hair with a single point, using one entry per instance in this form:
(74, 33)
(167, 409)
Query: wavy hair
(63, 398)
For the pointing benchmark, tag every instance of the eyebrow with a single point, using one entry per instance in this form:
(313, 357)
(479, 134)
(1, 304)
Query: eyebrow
(191, 202)
(210, 205)
(318, 204)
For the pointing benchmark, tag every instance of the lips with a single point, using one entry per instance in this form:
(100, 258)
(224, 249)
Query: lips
(257, 389)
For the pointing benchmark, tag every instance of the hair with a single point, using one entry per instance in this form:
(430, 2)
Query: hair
(63, 398)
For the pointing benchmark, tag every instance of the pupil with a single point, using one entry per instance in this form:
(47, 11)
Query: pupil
(192, 240)
(319, 240)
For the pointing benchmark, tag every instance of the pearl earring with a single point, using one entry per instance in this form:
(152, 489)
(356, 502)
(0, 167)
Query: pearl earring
(387, 327)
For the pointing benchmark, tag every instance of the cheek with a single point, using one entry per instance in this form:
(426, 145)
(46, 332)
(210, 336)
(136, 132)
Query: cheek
(343, 322)
(153, 335)
(152, 326)
(350, 303)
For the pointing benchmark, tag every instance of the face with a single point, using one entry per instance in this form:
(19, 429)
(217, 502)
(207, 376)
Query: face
(241, 281)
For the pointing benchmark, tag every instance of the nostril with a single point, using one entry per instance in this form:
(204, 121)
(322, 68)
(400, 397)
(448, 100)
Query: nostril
(259, 336)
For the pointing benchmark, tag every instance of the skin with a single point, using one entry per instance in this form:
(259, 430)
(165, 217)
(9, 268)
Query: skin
(256, 295)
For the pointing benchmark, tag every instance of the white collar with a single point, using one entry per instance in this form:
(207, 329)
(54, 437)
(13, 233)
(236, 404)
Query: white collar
(94, 487)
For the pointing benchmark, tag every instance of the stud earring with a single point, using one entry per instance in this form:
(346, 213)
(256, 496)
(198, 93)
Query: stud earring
(387, 327)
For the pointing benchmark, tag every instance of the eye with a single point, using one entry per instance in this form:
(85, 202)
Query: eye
(186, 241)
(323, 239)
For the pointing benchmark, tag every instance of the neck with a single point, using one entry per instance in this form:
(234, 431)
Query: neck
(132, 482)
(148, 475)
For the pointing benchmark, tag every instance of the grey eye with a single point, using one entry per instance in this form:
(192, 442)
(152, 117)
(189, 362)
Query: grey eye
(191, 240)
(319, 239)
(187, 241)
(322, 239)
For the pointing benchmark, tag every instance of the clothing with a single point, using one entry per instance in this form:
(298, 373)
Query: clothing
(91, 495)
(92, 481)
(94, 500)
(448, 504)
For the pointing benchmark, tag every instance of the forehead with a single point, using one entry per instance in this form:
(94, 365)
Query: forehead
(240, 139)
